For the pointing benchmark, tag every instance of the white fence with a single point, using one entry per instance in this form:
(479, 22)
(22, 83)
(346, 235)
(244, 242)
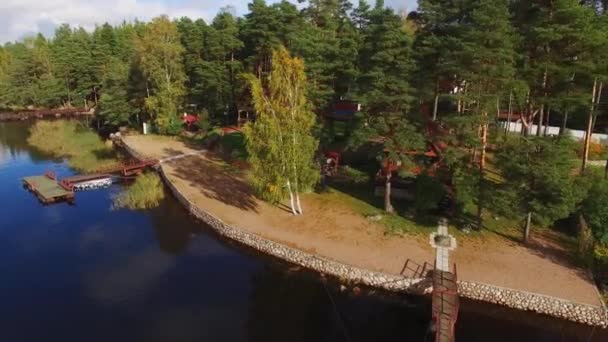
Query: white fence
(552, 130)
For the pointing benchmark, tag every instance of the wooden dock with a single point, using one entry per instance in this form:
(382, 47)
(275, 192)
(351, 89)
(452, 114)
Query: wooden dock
(445, 305)
(48, 189)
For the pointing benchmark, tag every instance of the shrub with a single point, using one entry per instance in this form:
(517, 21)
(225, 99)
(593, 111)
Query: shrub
(145, 193)
(594, 206)
(204, 124)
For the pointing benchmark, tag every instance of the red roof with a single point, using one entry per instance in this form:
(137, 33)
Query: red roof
(190, 119)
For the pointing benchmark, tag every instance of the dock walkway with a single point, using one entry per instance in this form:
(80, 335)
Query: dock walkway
(47, 189)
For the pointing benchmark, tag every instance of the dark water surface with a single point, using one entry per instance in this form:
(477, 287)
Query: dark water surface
(87, 273)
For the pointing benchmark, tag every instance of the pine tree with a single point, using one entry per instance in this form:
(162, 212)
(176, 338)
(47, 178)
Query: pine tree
(360, 15)
(76, 67)
(487, 61)
(538, 181)
(553, 36)
(594, 65)
(226, 31)
(385, 65)
(192, 37)
(115, 108)
(260, 34)
(434, 47)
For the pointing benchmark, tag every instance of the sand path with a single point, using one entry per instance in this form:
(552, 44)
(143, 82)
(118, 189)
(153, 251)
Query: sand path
(338, 233)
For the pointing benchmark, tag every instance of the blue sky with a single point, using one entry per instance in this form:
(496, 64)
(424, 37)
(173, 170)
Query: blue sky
(19, 18)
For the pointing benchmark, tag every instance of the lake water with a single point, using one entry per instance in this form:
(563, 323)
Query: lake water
(83, 272)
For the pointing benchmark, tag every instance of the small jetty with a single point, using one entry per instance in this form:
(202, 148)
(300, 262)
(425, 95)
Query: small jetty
(445, 304)
(89, 182)
(49, 189)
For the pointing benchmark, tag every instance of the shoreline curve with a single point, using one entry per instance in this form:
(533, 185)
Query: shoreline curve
(507, 297)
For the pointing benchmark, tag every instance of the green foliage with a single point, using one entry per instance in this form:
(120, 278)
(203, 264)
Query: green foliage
(385, 58)
(558, 53)
(539, 178)
(546, 54)
(594, 206)
(114, 106)
(204, 122)
(428, 192)
(82, 147)
(385, 62)
(355, 176)
(145, 193)
(235, 145)
(159, 52)
(73, 59)
(280, 145)
(486, 55)
(435, 44)
(600, 254)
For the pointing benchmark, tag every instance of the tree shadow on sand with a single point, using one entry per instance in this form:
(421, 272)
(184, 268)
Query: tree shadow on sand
(548, 245)
(215, 183)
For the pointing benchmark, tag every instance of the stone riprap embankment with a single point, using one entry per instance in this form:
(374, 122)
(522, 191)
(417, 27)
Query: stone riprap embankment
(515, 299)
(522, 300)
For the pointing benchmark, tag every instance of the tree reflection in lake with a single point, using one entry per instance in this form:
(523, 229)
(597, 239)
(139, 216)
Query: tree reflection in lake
(173, 228)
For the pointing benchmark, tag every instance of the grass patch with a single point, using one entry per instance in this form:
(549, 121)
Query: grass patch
(355, 175)
(358, 197)
(82, 147)
(145, 193)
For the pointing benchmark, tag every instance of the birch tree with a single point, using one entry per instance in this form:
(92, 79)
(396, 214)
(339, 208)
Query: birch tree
(280, 143)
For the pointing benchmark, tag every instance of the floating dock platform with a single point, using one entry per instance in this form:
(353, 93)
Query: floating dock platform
(48, 189)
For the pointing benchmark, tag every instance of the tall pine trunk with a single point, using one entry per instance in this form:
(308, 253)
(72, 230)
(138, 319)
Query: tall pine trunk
(562, 131)
(547, 122)
(541, 117)
(529, 119)
(589, 132)
(509, 114)
(597, 106)
(542, 107)
(482, 167)
(436, 102)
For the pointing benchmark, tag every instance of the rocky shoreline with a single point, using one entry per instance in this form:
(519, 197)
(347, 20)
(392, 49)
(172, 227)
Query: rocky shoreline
(515, 299)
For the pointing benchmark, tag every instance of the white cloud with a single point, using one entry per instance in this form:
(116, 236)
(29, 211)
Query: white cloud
(19, 18)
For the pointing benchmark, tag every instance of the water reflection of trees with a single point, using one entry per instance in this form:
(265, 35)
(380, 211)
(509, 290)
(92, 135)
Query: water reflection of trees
(13, 137)
(173, 228)
(295, 307)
